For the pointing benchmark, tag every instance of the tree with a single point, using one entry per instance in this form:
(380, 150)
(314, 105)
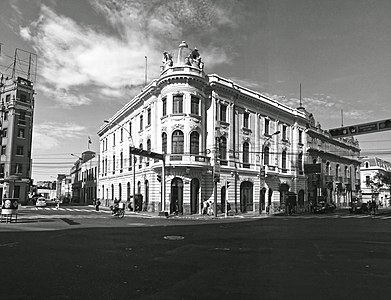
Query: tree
(385, 179)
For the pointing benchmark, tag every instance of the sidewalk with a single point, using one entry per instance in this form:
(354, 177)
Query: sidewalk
(190, 216)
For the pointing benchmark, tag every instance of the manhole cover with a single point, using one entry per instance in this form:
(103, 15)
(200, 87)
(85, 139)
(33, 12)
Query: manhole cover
(174, 237)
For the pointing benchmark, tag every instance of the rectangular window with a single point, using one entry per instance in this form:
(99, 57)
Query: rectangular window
(2, 170)
(21, 132)
(23, 97)
(164, 100)
(4, 132)
(19, 150)
(22, 118)
(284, 136)
(141, 122)
(3, 149)
(300, 137)
(267, 127)
(177, 105)
(113, 139)
(223, 112)
(7, 98)
(195, 105)
(130, 128)
(5, 116)
(246, 118)
(149, 116)
(18, 168)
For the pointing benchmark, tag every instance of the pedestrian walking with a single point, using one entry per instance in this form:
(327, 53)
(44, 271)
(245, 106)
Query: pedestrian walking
(58, 203)
(97, 204)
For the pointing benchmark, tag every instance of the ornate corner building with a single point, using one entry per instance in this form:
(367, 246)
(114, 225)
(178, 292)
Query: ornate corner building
(16, 124)
(221, 142)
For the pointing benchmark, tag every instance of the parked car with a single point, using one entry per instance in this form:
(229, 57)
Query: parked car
(324, 207)
(41, 202)
(359, 208)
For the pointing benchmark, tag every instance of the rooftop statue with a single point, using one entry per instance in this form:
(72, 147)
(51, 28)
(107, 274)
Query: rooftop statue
(167, 60)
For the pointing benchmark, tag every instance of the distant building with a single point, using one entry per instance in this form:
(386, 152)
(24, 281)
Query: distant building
(371, 187)
(63, 187)
(16, 125)
(84, 174)
(338, 179)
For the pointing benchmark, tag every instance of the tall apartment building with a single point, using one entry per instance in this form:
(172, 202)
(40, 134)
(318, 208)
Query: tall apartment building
(221, 142)
(16, 124)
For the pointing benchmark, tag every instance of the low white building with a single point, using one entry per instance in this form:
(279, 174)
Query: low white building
(371, 188)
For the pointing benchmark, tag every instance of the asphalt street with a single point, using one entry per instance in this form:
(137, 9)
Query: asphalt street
(91, 255)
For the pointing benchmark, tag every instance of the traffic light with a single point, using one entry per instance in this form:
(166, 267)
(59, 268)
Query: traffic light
(385, 124)
(343, 131)
(159, 178)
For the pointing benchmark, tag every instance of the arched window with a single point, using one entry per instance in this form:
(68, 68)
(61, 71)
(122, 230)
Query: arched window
(148, 145)
(246, 155)
(121, 162)
(177, 142)
(140, 157)
(283, 161)
(223, 148)
(266, 155)
(366, 164)
(300, 161)
(164, 142)
(195, 143)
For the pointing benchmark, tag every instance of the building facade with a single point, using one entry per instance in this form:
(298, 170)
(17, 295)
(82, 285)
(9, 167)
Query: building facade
(221, 143)
(338, 177)
(371, 187)
(84, 175)
(16, 123)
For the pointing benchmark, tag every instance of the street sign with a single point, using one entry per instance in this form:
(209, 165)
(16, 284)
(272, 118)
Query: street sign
(312, 168)
(145, 153)
(361, 128)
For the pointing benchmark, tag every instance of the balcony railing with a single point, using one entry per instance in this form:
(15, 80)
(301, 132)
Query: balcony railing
(328, 178)
(338, 178)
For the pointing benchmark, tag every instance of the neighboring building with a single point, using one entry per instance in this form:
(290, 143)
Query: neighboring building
(64, 188)
(220, 141)
(84, 175)
(16, 124)
(46, 189)
(339, 178)
(371, 188)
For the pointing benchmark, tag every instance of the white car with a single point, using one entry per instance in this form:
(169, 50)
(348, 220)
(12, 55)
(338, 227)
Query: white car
(41, 202)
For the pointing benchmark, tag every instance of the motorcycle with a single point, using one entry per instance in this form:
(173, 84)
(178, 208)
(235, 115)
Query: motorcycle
(118, 211)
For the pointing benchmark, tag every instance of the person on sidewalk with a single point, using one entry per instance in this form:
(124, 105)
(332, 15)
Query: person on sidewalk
(97, 204)
(58, 203)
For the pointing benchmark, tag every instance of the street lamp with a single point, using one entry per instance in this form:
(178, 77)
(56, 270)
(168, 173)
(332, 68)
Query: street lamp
(262, 164)
(133, 158)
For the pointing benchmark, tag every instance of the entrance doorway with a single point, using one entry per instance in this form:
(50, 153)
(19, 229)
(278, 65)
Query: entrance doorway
(176, 202)
(246, 196)
(262, 200)
(194, 195)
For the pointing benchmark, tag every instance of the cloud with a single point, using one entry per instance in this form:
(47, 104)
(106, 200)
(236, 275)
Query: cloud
(74, 55)
(54, 134)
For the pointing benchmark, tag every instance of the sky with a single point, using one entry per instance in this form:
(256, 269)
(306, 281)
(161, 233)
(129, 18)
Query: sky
(91, 60)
